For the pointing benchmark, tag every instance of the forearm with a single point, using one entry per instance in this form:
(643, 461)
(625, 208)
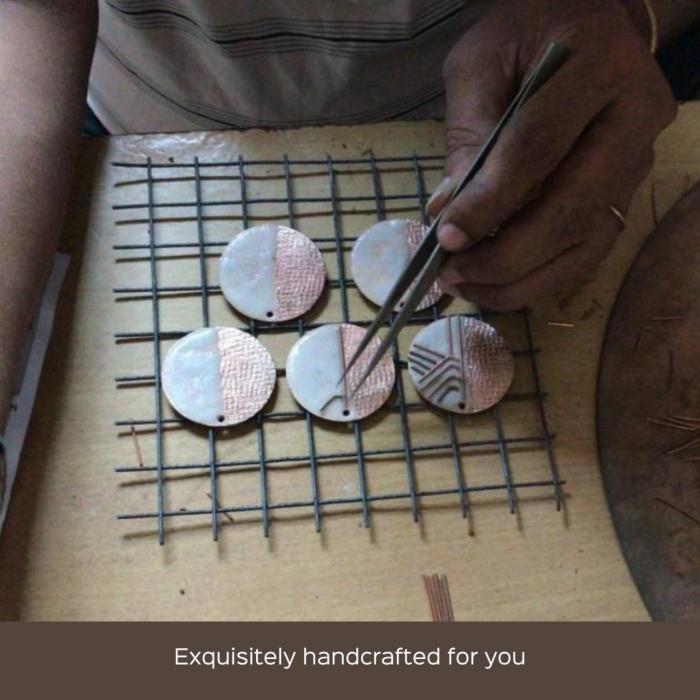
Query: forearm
(45, 53)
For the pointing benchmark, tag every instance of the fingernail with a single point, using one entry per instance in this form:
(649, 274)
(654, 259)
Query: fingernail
(452, 239)
(441, 191)
(450, 276)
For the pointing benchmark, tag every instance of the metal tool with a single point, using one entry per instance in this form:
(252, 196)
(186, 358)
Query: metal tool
(424, 267)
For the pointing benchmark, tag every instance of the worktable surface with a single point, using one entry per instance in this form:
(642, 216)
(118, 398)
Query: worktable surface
(63, 555)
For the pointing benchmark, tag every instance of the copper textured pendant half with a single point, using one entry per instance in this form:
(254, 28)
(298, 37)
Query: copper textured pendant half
(218, 376)
(460, 364)
(272, 273)
(381, 254)
(316, 364)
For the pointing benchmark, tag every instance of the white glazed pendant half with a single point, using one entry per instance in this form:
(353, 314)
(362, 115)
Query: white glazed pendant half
(272, 273)
(218, 376)
(460, 364)
(381, 254)
(316, 364)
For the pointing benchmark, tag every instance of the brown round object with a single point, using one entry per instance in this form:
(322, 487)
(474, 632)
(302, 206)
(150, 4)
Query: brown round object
(648, 408)
(316, 364)
(460, 364)
(218, 376)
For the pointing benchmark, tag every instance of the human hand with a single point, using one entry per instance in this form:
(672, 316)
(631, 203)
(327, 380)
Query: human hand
(581, 144)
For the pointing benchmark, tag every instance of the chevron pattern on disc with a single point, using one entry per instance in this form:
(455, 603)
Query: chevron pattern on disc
(460, 364)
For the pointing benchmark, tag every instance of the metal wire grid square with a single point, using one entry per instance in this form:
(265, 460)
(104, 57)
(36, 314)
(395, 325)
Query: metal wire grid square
(316, 505)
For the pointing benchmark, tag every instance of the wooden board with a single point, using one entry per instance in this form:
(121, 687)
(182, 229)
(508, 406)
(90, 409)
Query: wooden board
(649, 371)
(64, 556)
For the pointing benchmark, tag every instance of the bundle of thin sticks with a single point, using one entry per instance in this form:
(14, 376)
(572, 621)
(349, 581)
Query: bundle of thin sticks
(438, 592)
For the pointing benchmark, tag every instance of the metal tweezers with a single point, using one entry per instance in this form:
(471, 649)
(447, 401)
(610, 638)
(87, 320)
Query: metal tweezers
(424, 267)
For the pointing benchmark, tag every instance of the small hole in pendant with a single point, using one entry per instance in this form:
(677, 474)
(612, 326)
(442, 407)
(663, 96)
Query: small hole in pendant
(462, 405)
(270, 314)
(346, 412)
(221, 419)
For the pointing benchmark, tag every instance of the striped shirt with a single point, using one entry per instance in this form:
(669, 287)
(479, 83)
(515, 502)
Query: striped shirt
(178, 65)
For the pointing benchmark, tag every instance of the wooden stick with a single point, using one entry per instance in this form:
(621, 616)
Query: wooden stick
(438, 597)
(445, 599)
(448, 598)
(446, 614)
(436, 601)
(681, 421)
(680, 426)
(561, 324)
(668, 504)
(137, 447)
(690, 419)
(677, 424)
(435, 584)
(695, 442)
(668, 424)
(437, 590)
(218, 507)
(431, 601)
(638, 340)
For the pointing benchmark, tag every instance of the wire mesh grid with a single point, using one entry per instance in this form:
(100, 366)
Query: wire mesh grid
(170, 213)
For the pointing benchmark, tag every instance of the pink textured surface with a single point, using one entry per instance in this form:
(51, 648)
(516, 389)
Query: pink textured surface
(415, 233)
(299, 274)
(247, 375)
(377, 388)
(488, 364)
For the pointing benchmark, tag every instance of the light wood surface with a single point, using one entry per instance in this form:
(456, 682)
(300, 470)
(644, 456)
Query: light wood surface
(63, 554)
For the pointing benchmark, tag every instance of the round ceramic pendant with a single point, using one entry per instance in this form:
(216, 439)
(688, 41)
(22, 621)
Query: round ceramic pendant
(316, 364)
(460, 364)
(218, 376)
(272, 273)
(381, 254)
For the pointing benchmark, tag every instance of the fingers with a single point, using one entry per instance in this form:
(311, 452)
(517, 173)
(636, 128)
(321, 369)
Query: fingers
(605, 168)
(566, 272)
(440, 196)
(479, 80)
(530, 148)
(583, 142)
